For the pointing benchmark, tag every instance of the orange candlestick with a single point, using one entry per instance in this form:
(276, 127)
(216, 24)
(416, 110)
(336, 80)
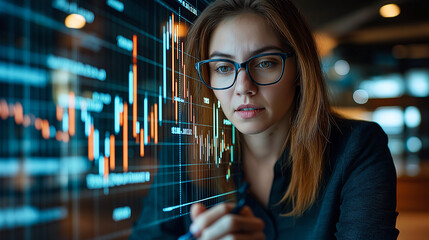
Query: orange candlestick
(134, 85)
(112, 152)
(125, 138)
(71, 114)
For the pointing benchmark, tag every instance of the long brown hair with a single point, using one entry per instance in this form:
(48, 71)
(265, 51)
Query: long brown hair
(311, 114)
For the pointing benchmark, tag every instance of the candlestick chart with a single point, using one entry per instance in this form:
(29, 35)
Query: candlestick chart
(97, 118)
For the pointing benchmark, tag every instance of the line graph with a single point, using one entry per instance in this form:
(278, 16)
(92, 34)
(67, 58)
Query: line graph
(168, 209)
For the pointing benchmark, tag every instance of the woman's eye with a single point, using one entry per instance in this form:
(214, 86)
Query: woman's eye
(265, 64)
(223, 69)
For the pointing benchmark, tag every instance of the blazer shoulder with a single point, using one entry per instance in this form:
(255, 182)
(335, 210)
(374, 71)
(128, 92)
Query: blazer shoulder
(359, 130)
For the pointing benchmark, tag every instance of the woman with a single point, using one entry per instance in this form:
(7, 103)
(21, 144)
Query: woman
(312, 174)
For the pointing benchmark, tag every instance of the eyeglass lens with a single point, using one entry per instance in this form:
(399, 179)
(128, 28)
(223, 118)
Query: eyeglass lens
(263, 70)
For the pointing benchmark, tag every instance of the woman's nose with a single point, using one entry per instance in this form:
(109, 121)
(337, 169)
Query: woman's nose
(244, 85)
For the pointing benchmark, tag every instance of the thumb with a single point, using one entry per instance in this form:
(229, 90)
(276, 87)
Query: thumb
(247, 212)
(196, 210)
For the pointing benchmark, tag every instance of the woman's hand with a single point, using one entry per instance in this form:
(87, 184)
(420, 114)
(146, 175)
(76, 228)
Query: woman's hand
(218, 223)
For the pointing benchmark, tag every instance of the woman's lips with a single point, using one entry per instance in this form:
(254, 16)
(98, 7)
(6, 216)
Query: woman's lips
(248, 111)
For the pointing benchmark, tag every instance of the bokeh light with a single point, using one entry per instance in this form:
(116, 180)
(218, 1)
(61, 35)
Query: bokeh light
(414, 144)
(390, 10)
(342, 67)
(360, 96)
(75, 21)
(412, 117)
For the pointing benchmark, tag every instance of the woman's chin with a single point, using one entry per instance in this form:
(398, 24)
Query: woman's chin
(249, 128)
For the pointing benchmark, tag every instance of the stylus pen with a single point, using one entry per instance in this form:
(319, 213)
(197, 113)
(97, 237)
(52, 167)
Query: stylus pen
(242, 194)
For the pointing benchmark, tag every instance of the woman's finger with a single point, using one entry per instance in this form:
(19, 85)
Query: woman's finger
(246, 211)
(232, 224)
(210, 216)
(252, 236)
(196, 210)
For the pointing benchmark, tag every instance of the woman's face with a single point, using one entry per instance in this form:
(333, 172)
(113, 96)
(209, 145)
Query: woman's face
(252, 108)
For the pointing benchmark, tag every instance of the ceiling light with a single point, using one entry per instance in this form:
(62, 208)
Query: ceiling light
(75, 21)
(390, 10)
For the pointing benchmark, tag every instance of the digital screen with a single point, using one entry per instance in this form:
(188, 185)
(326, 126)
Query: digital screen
(98, 113)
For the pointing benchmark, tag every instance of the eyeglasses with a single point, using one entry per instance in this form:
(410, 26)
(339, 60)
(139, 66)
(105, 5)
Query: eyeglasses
(263, 69)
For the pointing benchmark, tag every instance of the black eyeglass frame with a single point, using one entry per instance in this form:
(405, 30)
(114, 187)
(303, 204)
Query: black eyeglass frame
(244, 65)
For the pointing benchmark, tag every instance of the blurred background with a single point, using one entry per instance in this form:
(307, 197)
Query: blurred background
(375, 56)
